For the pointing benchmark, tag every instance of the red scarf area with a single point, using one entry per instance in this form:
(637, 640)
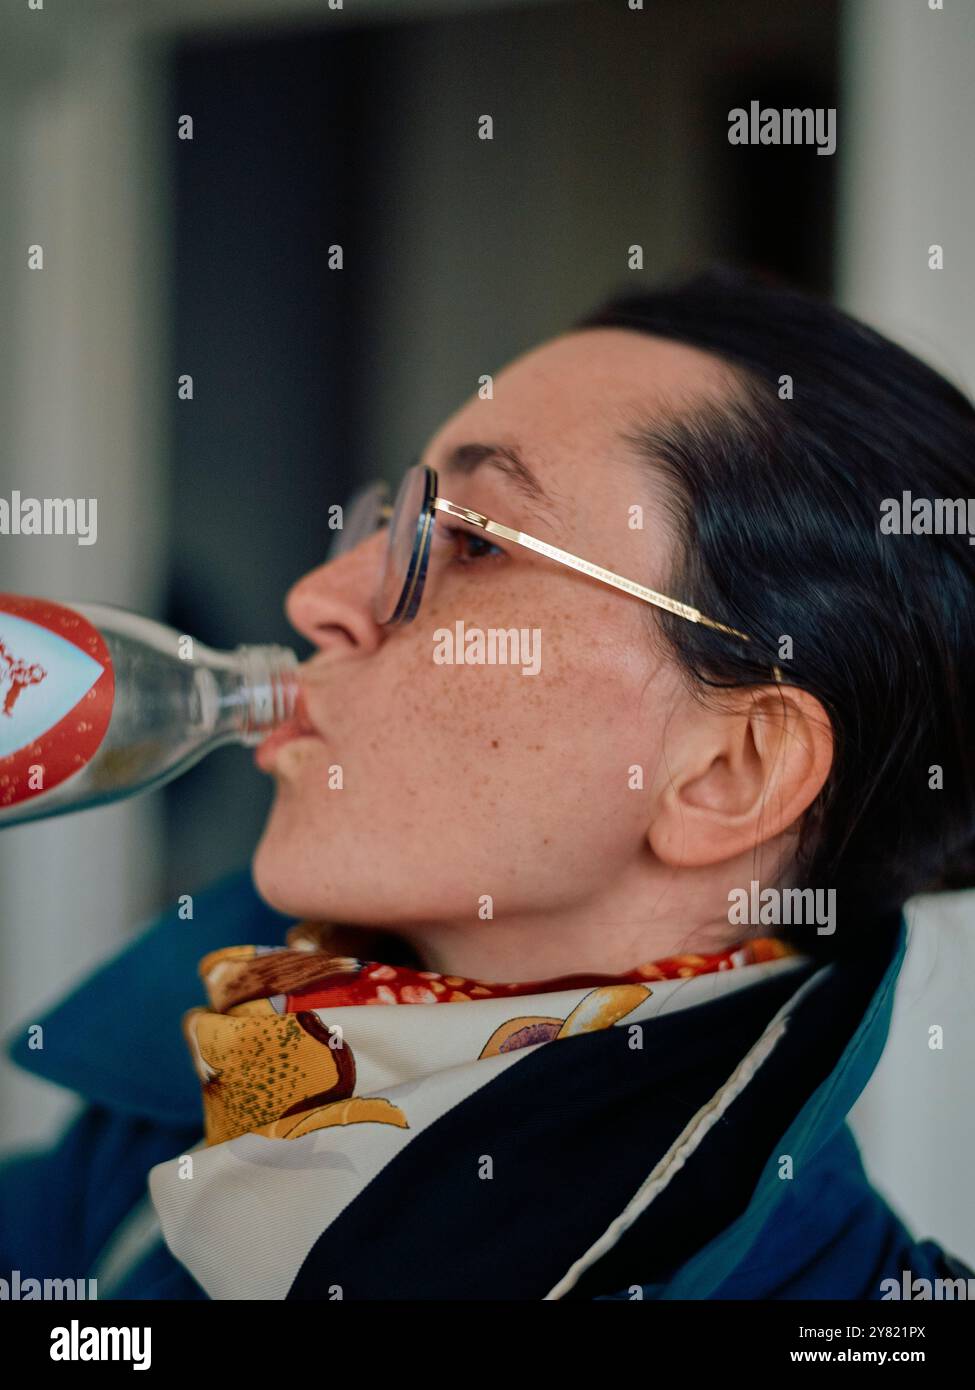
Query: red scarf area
(309, 976)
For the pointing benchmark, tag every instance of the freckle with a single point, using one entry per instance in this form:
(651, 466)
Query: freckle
(494, 743)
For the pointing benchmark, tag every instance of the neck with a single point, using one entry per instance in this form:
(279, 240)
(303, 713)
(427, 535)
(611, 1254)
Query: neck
(620, 927)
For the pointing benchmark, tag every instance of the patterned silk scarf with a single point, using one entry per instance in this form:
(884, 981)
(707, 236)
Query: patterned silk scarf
(384, 1107)
(272, 1063)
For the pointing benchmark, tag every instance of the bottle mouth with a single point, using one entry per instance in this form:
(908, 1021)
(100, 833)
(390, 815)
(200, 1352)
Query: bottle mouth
(271, 689)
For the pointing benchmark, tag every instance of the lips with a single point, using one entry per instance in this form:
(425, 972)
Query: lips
(301, 718)
(298, 726)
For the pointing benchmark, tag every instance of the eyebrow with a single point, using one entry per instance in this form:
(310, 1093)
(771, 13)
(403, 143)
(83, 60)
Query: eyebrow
(464, 459)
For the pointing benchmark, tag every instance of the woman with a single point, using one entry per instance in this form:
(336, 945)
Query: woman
(623, 735)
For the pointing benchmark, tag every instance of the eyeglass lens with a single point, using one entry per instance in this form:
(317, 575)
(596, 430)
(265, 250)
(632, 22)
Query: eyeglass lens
(398, 595)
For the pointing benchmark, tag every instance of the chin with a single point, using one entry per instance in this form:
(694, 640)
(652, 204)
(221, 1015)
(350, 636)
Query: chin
(276, 879)
(293, 874)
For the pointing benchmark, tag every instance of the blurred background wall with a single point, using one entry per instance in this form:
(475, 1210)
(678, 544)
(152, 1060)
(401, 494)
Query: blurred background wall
(315, 126)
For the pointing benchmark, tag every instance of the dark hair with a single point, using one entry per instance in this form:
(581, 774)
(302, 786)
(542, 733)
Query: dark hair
(779, 503)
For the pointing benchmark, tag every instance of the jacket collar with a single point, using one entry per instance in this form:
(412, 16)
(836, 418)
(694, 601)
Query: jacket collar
(818, 1131)
(89, 1043)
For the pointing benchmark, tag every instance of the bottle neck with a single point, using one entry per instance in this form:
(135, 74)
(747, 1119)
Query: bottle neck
(256, 688)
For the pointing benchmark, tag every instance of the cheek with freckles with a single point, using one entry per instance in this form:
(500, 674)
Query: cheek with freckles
(462, 780)
(508, 765)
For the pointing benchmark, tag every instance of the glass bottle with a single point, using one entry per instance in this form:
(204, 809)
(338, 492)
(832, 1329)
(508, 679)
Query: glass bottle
(98, 703)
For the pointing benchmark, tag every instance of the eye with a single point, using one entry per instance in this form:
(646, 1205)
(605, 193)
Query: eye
(470, 545)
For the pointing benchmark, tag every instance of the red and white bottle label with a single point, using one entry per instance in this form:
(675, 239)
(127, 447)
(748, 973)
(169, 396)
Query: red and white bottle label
(57, 688)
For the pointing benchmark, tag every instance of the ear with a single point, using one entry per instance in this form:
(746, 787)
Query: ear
(738, 777)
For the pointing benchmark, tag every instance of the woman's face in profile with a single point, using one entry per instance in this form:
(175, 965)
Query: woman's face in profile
(465, 783)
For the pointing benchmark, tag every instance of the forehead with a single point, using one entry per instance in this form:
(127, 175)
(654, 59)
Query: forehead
(575, 393)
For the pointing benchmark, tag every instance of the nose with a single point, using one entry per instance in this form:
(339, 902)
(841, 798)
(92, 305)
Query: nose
(332, 605)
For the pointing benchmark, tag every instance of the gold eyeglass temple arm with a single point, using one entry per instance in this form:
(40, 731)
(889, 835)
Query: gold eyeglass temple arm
(565, 557)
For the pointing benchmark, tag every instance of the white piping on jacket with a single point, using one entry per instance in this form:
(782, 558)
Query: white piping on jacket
(690, 1137)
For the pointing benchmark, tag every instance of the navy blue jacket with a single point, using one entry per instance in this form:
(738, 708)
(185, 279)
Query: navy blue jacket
(729, 1227)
